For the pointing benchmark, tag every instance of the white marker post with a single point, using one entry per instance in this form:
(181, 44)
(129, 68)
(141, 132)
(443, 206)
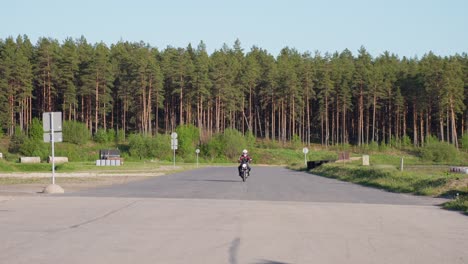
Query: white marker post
(197, 151)
(53, 147)
(174, 143)
(305, 151)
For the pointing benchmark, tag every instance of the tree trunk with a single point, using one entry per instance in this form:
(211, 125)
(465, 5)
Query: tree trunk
(181, 100)
(454, 125)
(361, 116)
(421, 128)
(96, 114)
(415, 126)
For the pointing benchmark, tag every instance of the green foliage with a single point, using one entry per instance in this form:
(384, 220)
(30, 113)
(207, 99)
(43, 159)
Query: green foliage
(233, 143)
(111, 135)
(120, 136)
(436, 151)
(406, 141)
(75, 154)
(137, 146)
(464, 141)
(16, 141)
(459, 204)
(296, 141)
(228, 145)
(36, 131)
(75, 132)
(214, 148)
(250, 140)
(101, 136)
(188, 139)
(389, 178)
(373, 146)
(159, 147)
(384, 147)
(141, 146)
(34, 148)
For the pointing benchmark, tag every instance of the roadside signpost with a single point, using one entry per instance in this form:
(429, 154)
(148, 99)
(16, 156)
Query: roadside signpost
(305, 151)
(52, 125)
(174, 143)
(197, 151)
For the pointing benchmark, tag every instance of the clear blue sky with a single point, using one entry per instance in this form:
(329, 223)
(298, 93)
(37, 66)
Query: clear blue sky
(404, 27)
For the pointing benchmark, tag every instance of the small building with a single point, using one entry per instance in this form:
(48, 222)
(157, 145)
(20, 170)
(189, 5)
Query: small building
(109, 154)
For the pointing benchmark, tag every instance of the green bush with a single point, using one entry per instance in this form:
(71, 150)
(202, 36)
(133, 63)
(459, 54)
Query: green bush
(16, 141)
(296, 142)
(226, 146)
(214, 148)
(101, 136)
(464, 141)
(75, 132)
(250, 140)
(34, 148)
(142, 146)
(373, 146)
(120, 136)
(110, 135)
(233, 142)
(188, 139)
(437, 151)
(406, 141)
(159, 147)
(36, 130)
(73, 153)
(136, 143)
(384, 147)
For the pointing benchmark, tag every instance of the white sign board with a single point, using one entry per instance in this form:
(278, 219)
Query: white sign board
(57, 137)
(305, 150)
(52, 117)
(174, 135)
(197, 151)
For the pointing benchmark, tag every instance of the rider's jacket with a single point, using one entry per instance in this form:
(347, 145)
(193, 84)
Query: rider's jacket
(244, 157)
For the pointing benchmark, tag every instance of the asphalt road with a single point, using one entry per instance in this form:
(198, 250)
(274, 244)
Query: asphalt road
(265, 184)
(209, 215)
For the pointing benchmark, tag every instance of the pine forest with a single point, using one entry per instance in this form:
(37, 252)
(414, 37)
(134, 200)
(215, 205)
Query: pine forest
(345, 97)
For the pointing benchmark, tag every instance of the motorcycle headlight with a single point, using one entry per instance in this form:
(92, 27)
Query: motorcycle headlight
(244, 165)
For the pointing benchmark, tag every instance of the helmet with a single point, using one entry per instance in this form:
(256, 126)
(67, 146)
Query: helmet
(244, 151)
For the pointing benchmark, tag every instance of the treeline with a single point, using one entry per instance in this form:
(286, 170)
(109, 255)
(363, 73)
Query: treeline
(331, 98)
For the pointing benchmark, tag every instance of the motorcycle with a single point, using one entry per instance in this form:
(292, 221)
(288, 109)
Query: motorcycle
(244, 170)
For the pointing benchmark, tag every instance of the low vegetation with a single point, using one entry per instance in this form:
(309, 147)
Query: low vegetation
(417, 177)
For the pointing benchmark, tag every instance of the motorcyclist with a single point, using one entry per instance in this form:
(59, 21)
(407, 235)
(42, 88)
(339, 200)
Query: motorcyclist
(244, 157)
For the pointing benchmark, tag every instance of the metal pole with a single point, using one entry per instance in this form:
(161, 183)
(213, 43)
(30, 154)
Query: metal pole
(197, 160)
(53, 149)
(174, 155)
(305, 158)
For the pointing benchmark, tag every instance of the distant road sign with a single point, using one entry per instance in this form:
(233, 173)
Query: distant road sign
(47, 121)
(174, 135)
(174, 143)
(305, 150)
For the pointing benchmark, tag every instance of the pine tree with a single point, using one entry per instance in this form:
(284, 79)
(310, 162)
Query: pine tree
(68, 69)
